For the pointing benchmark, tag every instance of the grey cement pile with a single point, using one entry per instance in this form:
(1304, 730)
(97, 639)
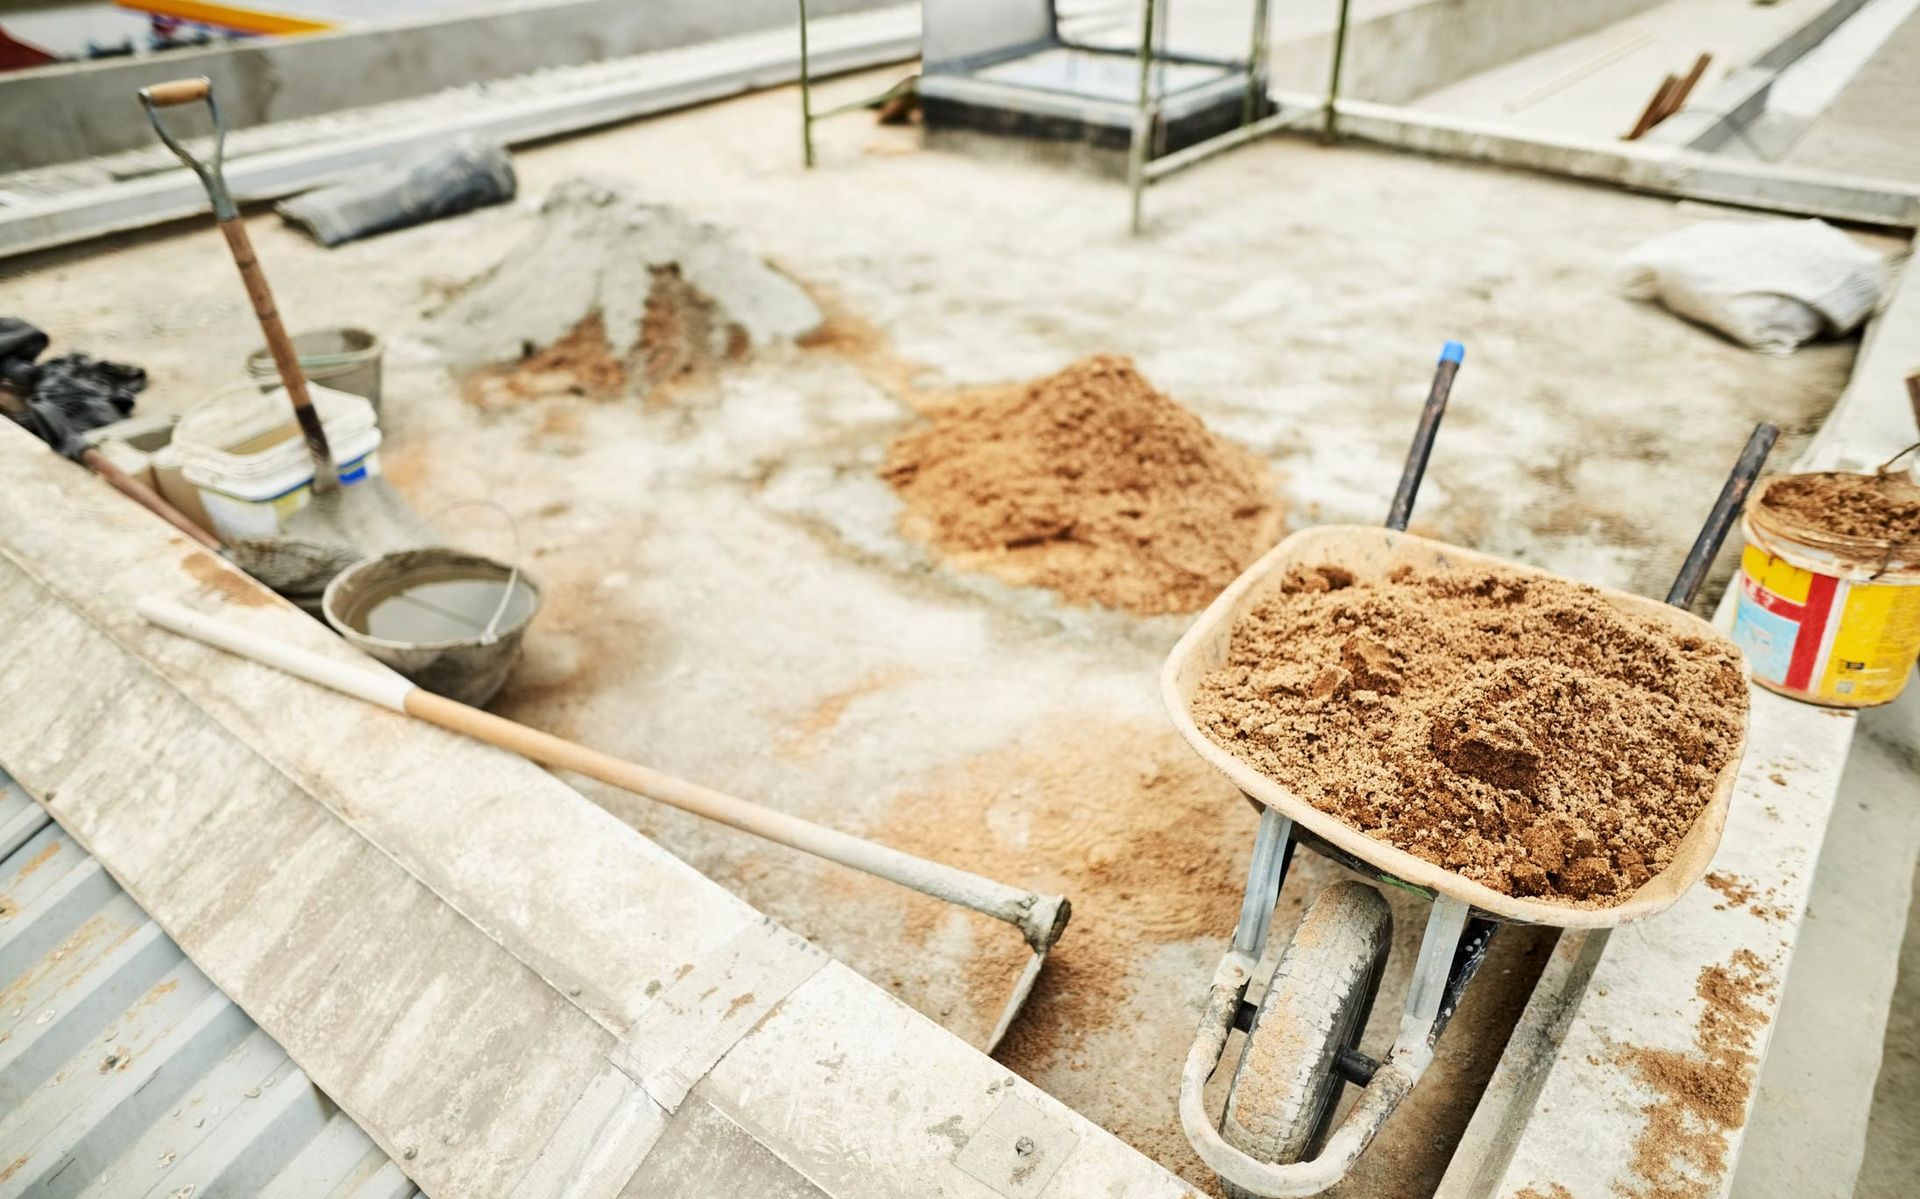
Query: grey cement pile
(599, 250)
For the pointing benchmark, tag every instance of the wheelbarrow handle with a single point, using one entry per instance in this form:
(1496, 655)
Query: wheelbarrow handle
(1430, 413)
(1726, 509)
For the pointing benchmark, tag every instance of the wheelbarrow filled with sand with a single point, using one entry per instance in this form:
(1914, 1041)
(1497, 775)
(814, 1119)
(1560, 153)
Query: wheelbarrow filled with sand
(1510, 744)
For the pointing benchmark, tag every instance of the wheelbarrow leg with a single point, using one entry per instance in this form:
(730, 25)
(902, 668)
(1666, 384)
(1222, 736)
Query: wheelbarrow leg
(1420, 1023)
(1272, 851)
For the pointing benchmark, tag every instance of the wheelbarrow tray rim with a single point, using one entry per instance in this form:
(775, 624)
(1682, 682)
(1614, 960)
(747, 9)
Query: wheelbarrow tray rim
(1370, 552)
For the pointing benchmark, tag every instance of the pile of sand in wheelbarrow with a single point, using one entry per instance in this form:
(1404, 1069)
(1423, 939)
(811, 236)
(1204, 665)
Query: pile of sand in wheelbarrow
(610, 295)
(1520, 731)
(1089, 482)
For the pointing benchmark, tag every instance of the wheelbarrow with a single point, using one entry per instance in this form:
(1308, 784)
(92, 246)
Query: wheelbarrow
(1303, 1036)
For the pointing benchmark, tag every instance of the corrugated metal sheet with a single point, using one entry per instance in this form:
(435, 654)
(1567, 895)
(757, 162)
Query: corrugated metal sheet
(125, 1072)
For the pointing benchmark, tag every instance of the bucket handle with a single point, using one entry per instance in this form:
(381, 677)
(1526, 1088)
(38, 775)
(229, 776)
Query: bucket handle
(1887, 466)
(491, 633)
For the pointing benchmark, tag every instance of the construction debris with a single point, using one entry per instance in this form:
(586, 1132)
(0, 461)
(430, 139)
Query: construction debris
(1670, 97)
(61, 399)
(626, 292)
(447, 181)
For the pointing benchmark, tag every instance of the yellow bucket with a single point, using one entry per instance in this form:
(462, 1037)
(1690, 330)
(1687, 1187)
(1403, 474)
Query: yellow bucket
(1825, 618)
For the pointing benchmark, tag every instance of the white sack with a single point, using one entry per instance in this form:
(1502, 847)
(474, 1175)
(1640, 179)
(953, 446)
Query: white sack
(1771, 285)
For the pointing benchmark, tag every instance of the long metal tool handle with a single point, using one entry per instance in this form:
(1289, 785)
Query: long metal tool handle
(1040, 918)
(1726, 509)
(1401, 511)
(212, 175)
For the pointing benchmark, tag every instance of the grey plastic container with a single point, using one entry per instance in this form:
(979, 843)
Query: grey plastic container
(451, 653)
(344, 359)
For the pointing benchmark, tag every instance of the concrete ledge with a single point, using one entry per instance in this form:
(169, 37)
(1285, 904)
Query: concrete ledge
(79, 110)
(1419, 47)
(1717, 117)
(655, 83)
(1660, 170)
(451, 942)
(1564, 1108)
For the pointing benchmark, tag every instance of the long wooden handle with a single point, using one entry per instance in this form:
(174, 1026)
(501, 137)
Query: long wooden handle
(177, 91)
(1040, 918)
(325, 476)
(147, 498)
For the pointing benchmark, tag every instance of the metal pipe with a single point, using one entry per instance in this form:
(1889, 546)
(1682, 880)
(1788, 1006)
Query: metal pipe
(1143, 118)
(1256, 64)
(1272, 847)
(1733, 497)
(1417, 454)
(806, 95)
(1199, 152)
(1328, 132)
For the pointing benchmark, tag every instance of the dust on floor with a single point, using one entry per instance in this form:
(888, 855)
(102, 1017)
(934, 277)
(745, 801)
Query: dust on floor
(724, 577)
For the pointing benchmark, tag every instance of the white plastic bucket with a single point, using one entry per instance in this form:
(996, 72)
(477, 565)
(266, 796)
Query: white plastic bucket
(244, 454)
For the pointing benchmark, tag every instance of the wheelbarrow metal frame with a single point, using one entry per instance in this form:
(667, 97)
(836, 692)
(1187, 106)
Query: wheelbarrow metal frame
(1456, 939)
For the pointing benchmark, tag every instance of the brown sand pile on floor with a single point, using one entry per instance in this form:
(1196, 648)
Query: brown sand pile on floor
(1089, 482)
(683, 337)
(1699, 1096)
(1151, 845)
(1520, 731)
(1878, 507)
(1143, 836)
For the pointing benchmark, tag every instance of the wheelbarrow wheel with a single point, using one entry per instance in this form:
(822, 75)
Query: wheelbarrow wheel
(1286, 1085)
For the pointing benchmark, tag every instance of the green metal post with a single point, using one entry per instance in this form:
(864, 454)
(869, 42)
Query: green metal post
(1142, 117)
(1256, 64)
(806, 94)
(1328, 133)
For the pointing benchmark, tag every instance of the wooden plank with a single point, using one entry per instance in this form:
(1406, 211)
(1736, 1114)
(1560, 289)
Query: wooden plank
(1655, 109)
(1688, 82)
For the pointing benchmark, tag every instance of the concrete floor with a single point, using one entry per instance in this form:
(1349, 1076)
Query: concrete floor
(1892, 1158)
(1848, 1014)
(727, 597)
(1869, 127)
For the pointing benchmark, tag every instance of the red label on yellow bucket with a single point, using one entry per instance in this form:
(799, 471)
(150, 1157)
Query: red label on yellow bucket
(1823, 637)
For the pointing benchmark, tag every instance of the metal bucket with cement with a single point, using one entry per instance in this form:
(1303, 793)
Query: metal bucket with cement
(343, 359)
(450, 621)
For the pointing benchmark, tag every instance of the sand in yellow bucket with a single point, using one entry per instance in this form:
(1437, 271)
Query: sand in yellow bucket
(1829, 604)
